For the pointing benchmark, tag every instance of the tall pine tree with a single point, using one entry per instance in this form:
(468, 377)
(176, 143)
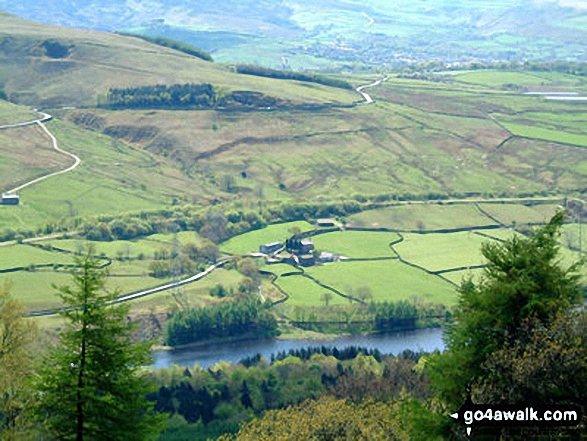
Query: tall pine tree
(90, 384)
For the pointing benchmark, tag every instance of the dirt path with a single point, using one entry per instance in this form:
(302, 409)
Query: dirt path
(39, 122)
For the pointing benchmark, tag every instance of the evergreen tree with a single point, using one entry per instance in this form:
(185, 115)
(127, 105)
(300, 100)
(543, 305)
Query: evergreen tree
(90, 385)
(524, 284)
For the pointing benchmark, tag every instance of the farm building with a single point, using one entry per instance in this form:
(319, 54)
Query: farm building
(327, 257)
(10, 199)
(270, 247)
(286, 258)
(307, 260)
(306, 246)
(325, 222)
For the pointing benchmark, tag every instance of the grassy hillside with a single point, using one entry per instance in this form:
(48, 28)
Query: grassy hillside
(338, 33)
(54, 66)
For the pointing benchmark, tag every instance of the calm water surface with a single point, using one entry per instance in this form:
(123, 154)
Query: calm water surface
(392, 343)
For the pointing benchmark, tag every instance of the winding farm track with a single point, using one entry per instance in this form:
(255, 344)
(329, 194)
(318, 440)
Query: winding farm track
(368, 99)
(39, 122)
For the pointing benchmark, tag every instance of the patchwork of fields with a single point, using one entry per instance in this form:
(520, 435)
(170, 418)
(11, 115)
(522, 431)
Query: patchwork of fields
(400, 260)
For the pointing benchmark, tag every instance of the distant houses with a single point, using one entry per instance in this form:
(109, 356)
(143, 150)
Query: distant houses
(297, 252)
(9, 199)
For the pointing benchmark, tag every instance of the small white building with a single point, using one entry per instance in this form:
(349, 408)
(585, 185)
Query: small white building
(10, 199)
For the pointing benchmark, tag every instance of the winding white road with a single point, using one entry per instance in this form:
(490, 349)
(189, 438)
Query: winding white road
(368, 99)
(39, 122)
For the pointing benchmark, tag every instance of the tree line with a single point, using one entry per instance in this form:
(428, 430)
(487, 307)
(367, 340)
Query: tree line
(174, 96)
(520, 336)
(211, 401)
(391, 316)
(250, 69)
(189, 217)
(228, 319)
(184, 96)
(174, 44)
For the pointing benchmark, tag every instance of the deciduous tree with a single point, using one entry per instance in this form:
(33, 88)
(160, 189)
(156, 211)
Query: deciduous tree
(16, 334)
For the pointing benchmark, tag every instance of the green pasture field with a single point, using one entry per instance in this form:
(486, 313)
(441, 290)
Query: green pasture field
(147, 246)
(35, 290)
(25, 154)
(125, 248)
(571, 234)
(493, 79)
(509, 214)
(196, 294)
(12, 114)
(250, 242)
(279, 268)
(304, 292)
(431, 216)
(574, 121)
(437, 252)
(356, 244)
(112, 178)
(388, 280)
(499, 234)
(536, 132)
(14, 256)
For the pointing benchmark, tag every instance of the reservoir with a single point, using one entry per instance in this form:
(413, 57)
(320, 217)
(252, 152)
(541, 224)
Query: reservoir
(390, 343)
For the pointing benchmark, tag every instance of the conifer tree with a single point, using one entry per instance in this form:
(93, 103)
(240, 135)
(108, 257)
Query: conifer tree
(524, 283)
(90, 386)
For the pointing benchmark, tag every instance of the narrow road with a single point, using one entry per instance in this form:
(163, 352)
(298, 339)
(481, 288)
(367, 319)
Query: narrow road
(46, 117)
(143, 293)
(368, 99)
(39, 122)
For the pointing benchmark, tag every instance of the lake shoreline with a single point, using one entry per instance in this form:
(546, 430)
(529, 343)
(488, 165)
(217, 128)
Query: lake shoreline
(207, 354)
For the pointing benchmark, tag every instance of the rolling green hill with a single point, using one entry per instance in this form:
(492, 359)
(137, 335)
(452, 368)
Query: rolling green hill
(53, 66)
(340, 34)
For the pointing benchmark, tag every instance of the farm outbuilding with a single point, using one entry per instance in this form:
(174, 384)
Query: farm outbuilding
(10, 199)
(307, 260)
(306, 246)
(270, 247)
(325, 222)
